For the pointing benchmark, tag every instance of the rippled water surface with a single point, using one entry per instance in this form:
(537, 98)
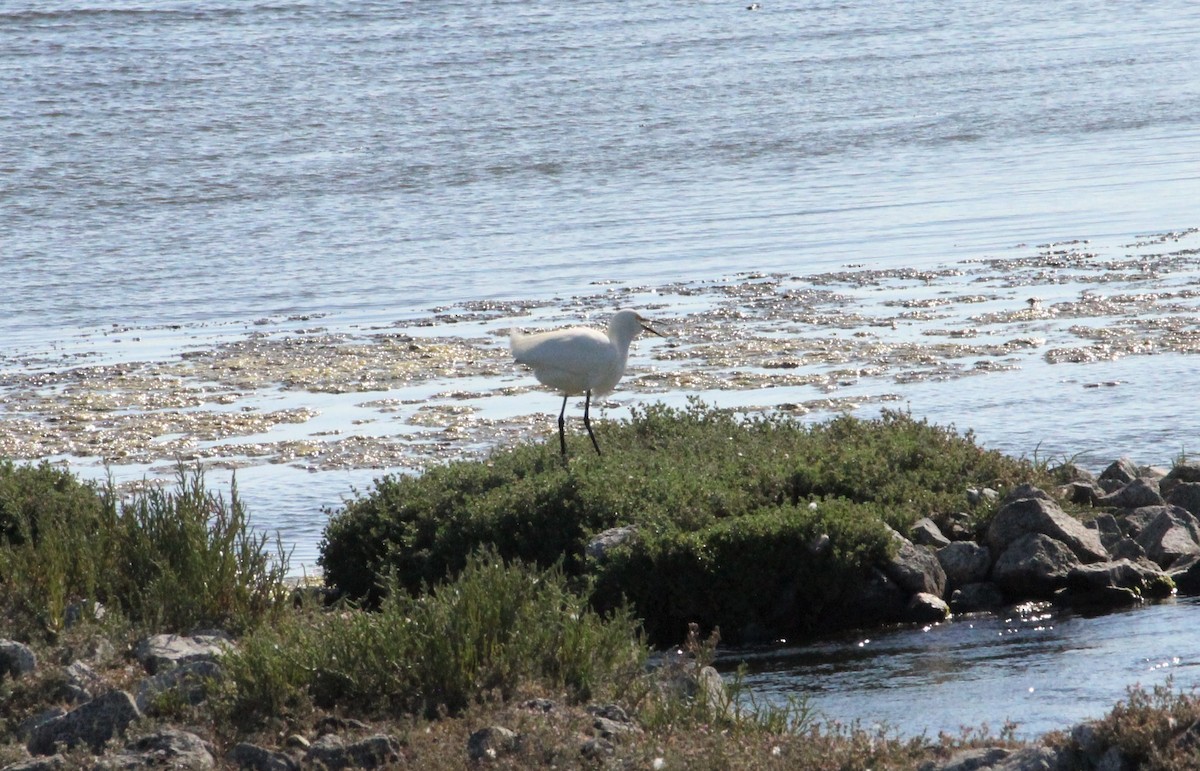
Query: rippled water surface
(1036, 667)
(188, 189)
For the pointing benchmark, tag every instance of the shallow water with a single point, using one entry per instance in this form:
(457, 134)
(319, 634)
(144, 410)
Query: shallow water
(1036, 667)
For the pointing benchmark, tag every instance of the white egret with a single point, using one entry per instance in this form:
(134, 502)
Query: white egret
(580, 360)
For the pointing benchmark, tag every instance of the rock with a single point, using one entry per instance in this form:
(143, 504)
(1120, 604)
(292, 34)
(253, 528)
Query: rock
(1185, 572)
(1138, 493)
(1114, 585)
(1084, 493)
(1134, 522)
(333, 724)
(1118, 474)
(539, 705)
(372, 752)
(976, 597)
(682, 679)
(1039, 515)
(613, 712)
(877, 600)
(169, 748)
(16, 658)
(976, 759)
(926, 608)
(1171, 534)
(1034, 759)
(1185, 495)
(978, 496)
(82, 683)
(1187, 472)
(169, 650)
(597, 749)
(964, 562)
(250, 756)
(188, 681)
(26, 727)
(820, 545)
(915, 569)
(1023, 491)
(926, 533)
(1070, 472)
(52, 763)
(492, 742)
(1034, 565)
(602, 543)
(1107, 527)
(957, 526)
(92, 724)
(84, 610)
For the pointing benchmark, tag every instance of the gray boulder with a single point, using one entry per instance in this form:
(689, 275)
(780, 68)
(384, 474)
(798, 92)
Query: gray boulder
(492, 742)
(81, 683)
(1034, 565)
(957, 526)
(1138, 493)
(170, 748)
(16, 658)
(1185, 495)
(977, 597)
(878, 599)
(1084, 493)
(189, 682)
(915, 569)
(1024, 516)
(964, 562)
(1172, 533)
(1114, 584)
(91, 724)
(602, 543)
(974, 759)
(372, 752)
(1118, 474)
(926, 533)
(1187, 472)
(926, 609)
(1109, 530)
(1185, 572)
(164, 651)
(255, 758)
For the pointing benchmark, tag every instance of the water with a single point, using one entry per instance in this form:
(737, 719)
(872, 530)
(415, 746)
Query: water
(177, 174)
(1040, 669)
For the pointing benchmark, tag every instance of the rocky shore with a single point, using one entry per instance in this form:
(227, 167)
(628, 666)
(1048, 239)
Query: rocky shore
(1143, 543)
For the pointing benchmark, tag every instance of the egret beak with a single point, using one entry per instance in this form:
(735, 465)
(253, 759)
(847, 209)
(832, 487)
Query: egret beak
(646, 327)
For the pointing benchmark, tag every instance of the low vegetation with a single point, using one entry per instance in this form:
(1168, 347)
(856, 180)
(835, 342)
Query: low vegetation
(482, 597)
(723, 506)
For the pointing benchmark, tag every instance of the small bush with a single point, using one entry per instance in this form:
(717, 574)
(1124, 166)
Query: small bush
(171, 560)
(188, 558)
(720, 503)
(495, 627)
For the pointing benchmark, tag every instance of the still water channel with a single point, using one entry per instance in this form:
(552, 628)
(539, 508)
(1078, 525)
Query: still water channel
(1040, 668)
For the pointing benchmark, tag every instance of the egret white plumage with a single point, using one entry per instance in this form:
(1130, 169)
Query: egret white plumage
(580, 360)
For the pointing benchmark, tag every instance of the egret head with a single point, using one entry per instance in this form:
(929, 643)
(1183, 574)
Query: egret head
(628, 324)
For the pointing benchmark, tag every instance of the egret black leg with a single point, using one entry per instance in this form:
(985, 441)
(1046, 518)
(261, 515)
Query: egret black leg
(562, 439)
(587, 421)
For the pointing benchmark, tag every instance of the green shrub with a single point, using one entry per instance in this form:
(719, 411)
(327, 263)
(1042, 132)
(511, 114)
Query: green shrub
(188, 558)
(171, 560)
(495, 627)
(713, 496)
